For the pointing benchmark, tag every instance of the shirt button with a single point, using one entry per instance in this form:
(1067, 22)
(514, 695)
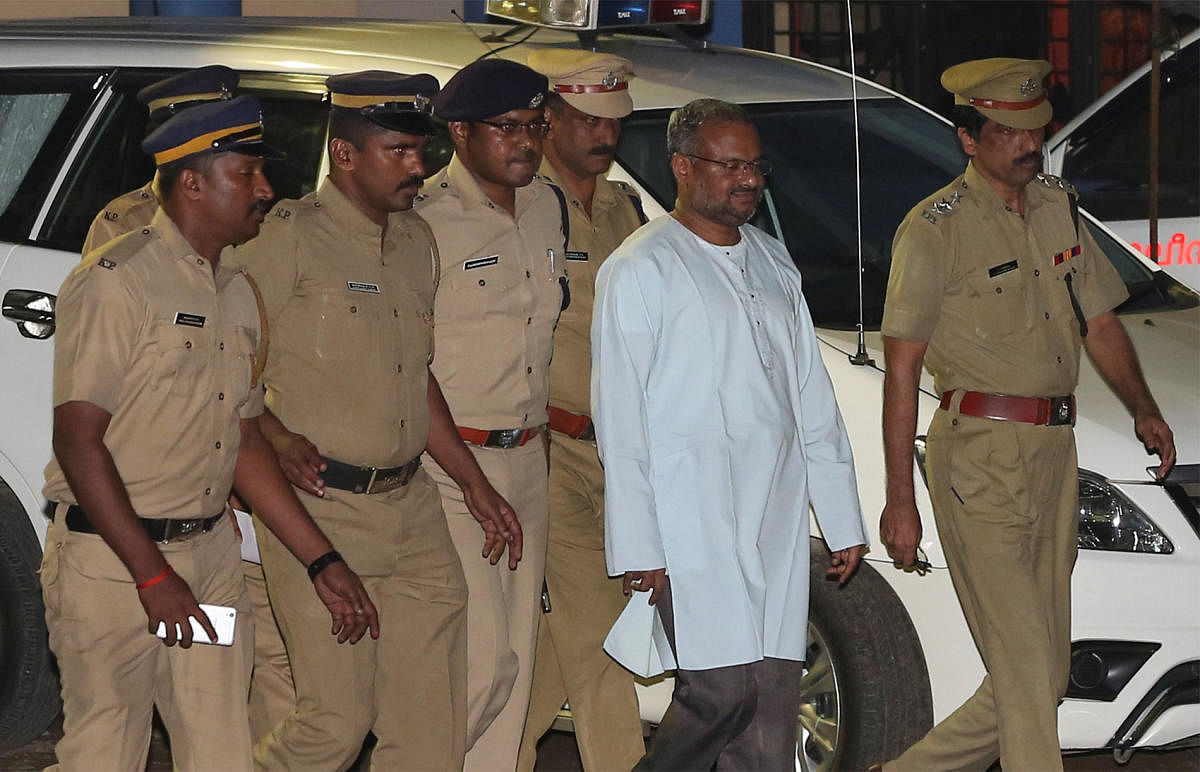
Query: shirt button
(999, 290)
(218, 444)
(528, 370)
(399, 368)
(401, 423)
(221, 396)
(482, 282)
(954, 422)
(187, 344)
(1059, 359)
(199, 261)
(527, 274)
(317, 204)
(221, 345)
(354, 309)
(1036, 272)
(1047, 314)
(146, 231)
(445, 184)
(208, 491)
(529, 320)
(396, 312)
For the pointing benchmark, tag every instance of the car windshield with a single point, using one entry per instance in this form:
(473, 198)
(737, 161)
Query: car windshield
(906, 154)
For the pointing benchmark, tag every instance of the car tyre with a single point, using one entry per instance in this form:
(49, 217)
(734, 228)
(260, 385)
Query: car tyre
(29, 696)
(865, 695)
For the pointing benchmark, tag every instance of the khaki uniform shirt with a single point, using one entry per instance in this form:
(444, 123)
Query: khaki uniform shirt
(985, 287)
(127, 212)
(502, 289)
(593, 239)
(350, 313)
(147, 333)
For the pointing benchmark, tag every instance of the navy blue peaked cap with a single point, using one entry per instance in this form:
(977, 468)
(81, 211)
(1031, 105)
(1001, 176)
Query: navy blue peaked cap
(213, 83)
(490, 87)
(216, 127)
(392, 100)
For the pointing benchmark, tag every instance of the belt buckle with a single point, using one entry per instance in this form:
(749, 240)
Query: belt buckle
(1060, 411)
(175, 530)
(369, 487)
(508, 439)
(385, 483)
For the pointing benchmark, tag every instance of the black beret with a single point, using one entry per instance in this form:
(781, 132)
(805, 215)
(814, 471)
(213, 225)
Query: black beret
(215, 127)
(490, 87)
(213, 83)
(389, 99)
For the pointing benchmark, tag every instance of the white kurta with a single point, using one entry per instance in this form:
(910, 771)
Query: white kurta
(717, 425)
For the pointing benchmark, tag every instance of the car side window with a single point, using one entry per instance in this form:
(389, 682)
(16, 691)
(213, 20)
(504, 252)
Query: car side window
(39, 114)
(112, 162)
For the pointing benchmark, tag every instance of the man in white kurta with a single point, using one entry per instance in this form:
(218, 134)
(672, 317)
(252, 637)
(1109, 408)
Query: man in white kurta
(718, 426)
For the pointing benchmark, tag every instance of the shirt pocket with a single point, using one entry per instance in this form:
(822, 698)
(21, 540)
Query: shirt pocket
(1000, 305)
(479, 288)
(348, 326)
(183, 358)
(245, 350)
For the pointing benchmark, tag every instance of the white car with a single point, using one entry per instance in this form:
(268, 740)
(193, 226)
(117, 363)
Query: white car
(1105, 152)
(890, 654)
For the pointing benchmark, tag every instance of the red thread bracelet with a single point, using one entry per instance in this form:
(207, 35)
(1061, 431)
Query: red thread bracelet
(155, 579)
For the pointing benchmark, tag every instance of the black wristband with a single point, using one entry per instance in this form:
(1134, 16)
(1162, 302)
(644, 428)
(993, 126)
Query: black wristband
(323, 562)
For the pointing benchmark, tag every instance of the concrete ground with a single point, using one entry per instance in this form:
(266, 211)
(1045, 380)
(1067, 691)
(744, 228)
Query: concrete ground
(558, 753)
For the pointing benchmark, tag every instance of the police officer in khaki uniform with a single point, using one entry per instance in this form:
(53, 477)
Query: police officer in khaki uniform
(348, 275)
(589, 94)
(156, 394)
(994, 285)
(501, 238)
(133, 210)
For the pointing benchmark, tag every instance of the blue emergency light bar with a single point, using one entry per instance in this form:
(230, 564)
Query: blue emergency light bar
(600, 14)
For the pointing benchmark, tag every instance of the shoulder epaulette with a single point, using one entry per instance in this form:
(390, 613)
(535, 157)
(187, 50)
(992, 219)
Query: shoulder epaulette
(944, 207)
(123, 247)
(1056, 183)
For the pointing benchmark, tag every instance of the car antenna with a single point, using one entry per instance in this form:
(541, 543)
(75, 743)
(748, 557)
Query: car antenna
(860, 357)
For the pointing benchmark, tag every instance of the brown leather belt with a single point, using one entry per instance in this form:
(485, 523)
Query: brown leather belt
(367, 479)
(1042, 411)
(159, 529)
(498, 438)
(574, 425)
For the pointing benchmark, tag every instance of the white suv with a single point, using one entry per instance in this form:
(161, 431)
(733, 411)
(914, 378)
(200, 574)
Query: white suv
(890, 653)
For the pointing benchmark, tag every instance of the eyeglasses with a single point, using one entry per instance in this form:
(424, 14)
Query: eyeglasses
(761, 167)
(509, 128)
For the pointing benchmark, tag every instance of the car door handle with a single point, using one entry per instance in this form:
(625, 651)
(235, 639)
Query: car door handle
(32, 311)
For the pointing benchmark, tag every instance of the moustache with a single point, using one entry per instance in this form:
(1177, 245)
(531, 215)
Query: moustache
(408, 182)
(603, 150)
(522, 156)
(755, 189)
(262, 206)
(1028, 158)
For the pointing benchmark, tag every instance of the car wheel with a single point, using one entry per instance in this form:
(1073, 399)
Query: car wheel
(29, 698)
(865, 694)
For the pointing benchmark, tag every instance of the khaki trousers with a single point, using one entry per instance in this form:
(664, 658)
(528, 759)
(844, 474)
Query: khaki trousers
(409, 686)
(114, 673)
(571, 664)
(504, 605)
(1006, 503)
(272, 693)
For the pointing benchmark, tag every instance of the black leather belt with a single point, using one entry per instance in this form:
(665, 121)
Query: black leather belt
(160, 529)
(367, 479)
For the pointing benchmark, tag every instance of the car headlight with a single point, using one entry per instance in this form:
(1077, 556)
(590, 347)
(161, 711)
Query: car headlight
(1107, 519)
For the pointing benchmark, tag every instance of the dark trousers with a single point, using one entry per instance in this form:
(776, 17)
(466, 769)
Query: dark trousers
(741, 717)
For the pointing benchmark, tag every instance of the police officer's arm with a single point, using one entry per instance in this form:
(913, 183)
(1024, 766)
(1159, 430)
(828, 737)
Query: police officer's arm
(495, 515)
(1112, 352)
(900, 523)
(298, 457)
(79, 429)
(261, 483)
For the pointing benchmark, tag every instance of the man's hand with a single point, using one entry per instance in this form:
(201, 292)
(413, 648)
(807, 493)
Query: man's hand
(497, 519)
(900, 531)
(652, 581)
(171, 602)
(351, 608)
(1158, 438)
(300, 461)
(843, 563)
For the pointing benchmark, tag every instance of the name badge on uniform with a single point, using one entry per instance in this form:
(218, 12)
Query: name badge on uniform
(580, 256)
(1066, 255)
(362, 286)
(480, 262)
(1003, 268)
(189, 320)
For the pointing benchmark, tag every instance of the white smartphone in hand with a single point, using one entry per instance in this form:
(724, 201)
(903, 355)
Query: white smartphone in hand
(223, 619)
